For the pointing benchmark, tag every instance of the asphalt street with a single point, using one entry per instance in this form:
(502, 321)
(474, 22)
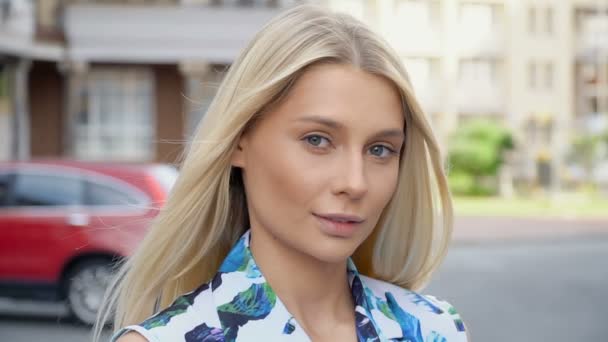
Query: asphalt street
(535, 289)
(552, 290)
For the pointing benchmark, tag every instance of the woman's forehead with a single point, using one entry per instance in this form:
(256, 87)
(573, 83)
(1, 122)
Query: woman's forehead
(343, 92)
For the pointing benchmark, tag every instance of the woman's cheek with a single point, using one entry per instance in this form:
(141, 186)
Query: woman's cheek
(386, 182)
(300, 170)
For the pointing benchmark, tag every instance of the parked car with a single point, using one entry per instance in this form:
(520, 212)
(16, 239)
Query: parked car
(64, 223)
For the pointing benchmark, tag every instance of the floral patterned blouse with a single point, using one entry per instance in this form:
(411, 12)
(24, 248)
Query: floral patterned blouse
(239, 305)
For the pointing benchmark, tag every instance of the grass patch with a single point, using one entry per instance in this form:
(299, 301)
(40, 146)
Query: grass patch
(570, 205)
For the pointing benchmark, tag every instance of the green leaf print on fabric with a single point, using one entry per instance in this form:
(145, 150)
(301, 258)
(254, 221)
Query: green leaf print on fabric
(163, 319)
(236, 260)
(379, 304)
(255, 303)
(410, 325)
(435, 337)
(240, 260)
(456, 317)
(179, 306)
(421, 300)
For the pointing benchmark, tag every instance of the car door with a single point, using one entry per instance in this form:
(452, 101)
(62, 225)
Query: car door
(7, 237)
(119, 214)
(40, 225)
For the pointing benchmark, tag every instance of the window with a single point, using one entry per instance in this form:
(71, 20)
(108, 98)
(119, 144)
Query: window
(46, 190)
(477, 17)
(547, 132)
(589, 18)
(549, 20)
(117, 120)
(540, 75)
(592, 104)
(480, 28)
(531, 129)
(532, 19)
(549, 75)
(478, 70)
(537, 17)
(5, 183)
(100, 194)
(417, 14)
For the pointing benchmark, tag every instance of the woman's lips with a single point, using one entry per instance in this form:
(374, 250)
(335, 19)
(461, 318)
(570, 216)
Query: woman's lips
(339, 225)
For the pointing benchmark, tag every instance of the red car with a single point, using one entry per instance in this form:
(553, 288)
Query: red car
(64, 223)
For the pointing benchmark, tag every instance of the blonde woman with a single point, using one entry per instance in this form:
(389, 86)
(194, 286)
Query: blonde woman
(310, 206)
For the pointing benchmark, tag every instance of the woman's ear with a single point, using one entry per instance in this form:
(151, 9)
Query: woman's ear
(238, 155)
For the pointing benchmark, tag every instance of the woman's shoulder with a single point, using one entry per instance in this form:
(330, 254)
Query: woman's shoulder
(188, 314)
(426, 313)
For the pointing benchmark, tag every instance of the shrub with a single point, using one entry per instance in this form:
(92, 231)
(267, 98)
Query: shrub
(475, 154)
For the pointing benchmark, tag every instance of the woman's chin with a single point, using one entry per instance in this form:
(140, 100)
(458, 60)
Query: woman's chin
(336, 251)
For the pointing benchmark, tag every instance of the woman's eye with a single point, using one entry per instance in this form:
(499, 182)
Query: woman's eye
(381, 151)
(317, 140)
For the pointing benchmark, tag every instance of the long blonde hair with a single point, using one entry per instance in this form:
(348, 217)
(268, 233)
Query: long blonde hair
(206, 211)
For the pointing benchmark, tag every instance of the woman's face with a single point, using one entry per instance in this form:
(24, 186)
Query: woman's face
(320, 167)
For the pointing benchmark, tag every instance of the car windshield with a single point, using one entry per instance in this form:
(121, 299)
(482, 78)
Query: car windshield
(166, 175)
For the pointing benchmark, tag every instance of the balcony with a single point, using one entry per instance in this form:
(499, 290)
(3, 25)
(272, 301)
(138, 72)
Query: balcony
(17, 36)
(481, 43)
(161, 34)
(481, 29)
(592, 37)
(480, 98)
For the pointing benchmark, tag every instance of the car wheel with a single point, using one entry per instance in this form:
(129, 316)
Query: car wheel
(86, 286)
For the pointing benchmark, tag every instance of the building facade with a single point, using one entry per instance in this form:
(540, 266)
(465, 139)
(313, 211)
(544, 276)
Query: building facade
(115, 80)
(536, 66)
(130, 79)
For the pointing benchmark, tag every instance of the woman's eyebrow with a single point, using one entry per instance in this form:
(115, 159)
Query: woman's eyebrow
(390, 133)
(321, 120)
(387, 133)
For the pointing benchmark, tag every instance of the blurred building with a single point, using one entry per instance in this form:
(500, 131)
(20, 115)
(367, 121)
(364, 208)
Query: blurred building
(112, 80)
(537, 66)
(130, 79)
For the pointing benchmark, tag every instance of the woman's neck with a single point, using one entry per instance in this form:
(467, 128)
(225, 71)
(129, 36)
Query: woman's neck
(316, 293)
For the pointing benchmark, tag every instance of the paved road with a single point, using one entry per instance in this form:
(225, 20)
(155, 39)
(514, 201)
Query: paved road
(551, 288)
(22, 328)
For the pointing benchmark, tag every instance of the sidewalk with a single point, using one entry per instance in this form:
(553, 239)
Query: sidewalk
(478, 229)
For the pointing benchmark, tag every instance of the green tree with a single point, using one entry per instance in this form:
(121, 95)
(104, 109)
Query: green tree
(587, 150)
(476, 153)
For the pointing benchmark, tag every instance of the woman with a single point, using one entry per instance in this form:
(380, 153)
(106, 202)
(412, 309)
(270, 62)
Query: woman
(314, 150)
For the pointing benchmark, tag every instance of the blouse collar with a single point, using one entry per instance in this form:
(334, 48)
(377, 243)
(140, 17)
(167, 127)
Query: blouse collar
(242, 294)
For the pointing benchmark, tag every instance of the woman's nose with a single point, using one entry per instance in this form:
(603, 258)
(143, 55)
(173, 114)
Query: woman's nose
(351, 178)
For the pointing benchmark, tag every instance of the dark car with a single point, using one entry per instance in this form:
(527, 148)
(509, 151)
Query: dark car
(64, 223)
